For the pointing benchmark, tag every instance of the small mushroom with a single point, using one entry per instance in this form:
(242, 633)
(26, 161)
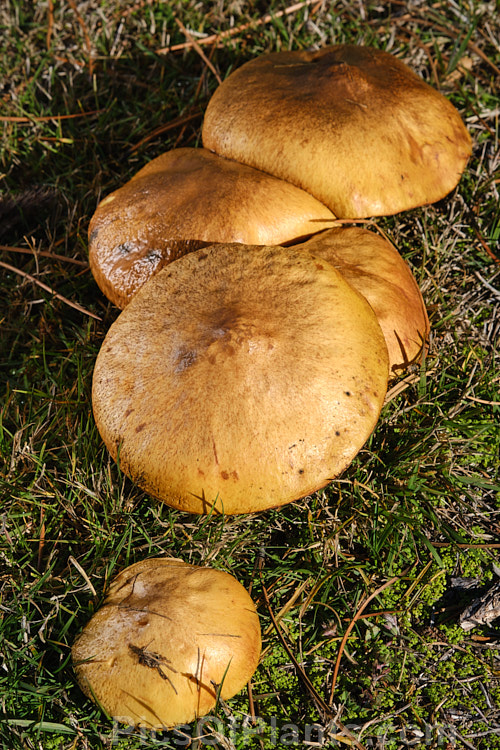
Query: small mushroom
(375, 268)
(240, 378)
(352, 125)
(169, 639)
(183, 200)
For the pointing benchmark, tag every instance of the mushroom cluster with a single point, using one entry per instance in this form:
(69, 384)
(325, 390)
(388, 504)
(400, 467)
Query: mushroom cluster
(257, 336)
(252, 356)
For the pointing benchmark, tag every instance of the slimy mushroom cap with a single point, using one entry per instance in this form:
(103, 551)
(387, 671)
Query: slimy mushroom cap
(185, 199)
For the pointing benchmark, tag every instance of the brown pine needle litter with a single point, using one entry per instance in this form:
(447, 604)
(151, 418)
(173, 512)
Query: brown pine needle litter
(360, 586)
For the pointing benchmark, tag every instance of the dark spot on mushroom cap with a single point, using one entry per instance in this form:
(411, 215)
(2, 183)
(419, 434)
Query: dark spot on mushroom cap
(153, 256)
(185, 358)
(226, 475)
(125, 248)
(140, 427)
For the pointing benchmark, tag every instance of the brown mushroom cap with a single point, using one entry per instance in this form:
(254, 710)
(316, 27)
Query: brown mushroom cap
(375, 268)
(352, 125)
(167, 635)
(240, 378)
(183, 200)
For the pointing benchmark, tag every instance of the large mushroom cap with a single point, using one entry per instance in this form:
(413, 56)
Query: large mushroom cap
(183, 200)
(375, 268)
(240, 377)
(168, 635)
(352, 125)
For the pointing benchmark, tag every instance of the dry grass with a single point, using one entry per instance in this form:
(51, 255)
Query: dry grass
(90, 93)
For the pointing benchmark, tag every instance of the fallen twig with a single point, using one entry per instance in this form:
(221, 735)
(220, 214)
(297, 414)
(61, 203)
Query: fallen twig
(323, 707)
(47, 118)
(486, 246)
(198, 49)
(165, 128)
(47, 288)
(44, 254)
(216, 38)
(403, 384)
(351, 625)
(50, 23)
(483, 401)
(86, 34)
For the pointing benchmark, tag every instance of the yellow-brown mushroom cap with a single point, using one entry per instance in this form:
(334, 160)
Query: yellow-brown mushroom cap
(352, 125)
(167, 636)
(240, 377)
(376, 269)
(183, 200)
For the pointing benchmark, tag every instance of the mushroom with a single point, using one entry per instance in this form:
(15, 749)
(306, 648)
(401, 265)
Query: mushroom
(240, 378)
(352, 125)
(169, 639)
(375, 269)
(183, 200)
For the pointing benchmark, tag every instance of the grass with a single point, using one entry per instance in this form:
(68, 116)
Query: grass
(86, 100)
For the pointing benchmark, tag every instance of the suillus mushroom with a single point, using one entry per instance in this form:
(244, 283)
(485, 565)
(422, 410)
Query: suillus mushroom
(373, 266)
(183, 200)
(169, 639)
(240, 378)
(352, 125)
